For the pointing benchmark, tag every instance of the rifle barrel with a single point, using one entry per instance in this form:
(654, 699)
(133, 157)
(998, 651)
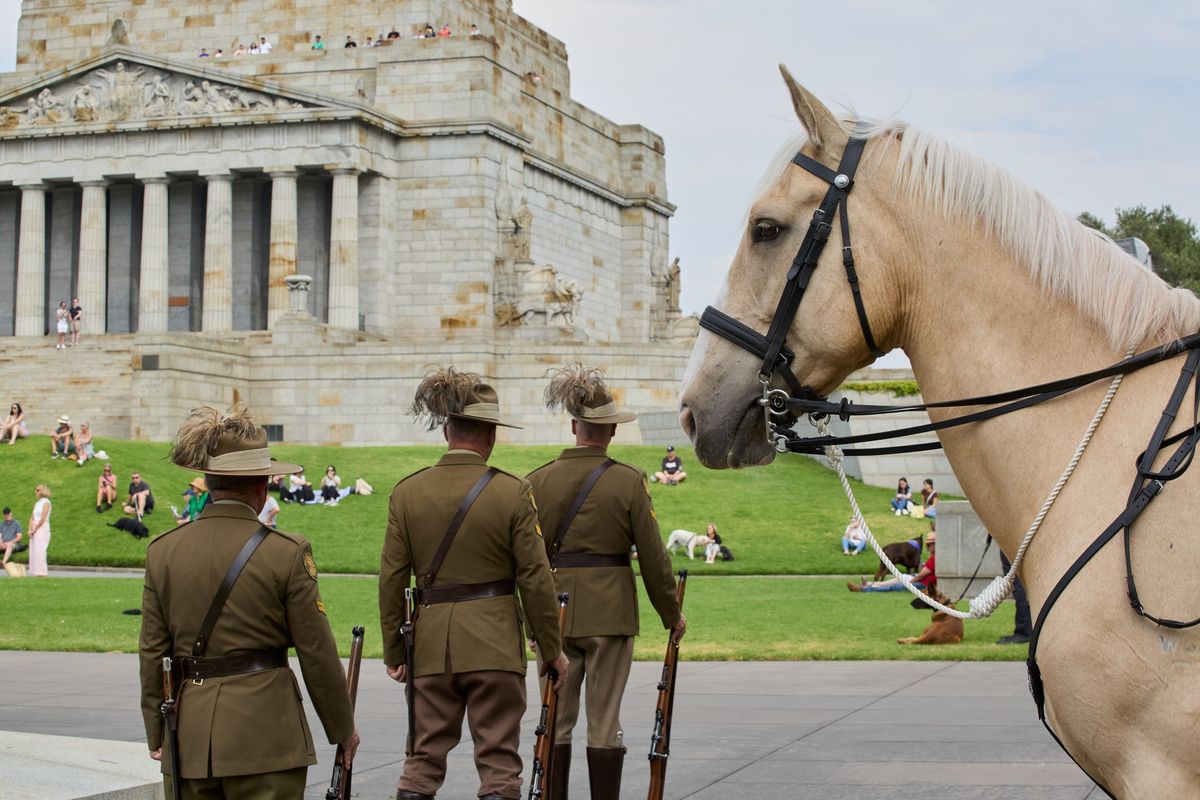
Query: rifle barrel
(660, 737)
(340, 781)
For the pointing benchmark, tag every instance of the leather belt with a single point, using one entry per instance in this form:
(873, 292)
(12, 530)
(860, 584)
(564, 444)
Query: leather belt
(200, 667)
(462, 592)
(585, 560)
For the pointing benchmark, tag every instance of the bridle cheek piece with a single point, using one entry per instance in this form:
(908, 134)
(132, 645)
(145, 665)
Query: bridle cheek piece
(772, 348)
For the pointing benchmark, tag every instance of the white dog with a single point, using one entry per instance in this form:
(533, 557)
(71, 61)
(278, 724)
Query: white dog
(681, 538)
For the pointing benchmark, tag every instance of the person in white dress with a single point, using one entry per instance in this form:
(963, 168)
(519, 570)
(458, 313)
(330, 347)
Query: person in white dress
(39, 532)
(63, 325)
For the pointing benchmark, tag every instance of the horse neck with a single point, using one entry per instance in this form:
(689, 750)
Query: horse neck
(976, 322)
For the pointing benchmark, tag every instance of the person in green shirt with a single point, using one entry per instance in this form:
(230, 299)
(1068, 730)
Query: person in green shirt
(318, 44)
(197, 500)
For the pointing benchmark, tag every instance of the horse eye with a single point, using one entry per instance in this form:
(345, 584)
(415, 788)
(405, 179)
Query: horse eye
(765, 230)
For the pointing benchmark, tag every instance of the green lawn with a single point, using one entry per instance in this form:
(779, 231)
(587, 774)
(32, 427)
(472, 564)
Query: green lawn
(730, 618)
(783, 519)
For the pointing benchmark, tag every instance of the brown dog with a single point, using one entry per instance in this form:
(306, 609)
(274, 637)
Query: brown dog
(944, 629)
(902, 554)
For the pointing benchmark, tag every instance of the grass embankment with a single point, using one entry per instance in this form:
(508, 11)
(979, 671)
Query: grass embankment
(783, 519)
(729, 619)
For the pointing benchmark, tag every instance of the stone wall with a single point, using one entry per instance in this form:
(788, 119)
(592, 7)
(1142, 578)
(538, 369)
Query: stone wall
(961, 539)
(322, 385)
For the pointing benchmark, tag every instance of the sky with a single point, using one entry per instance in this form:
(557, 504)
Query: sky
(1096, 104)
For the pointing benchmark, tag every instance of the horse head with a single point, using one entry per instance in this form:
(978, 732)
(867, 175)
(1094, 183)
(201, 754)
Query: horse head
(721, 389)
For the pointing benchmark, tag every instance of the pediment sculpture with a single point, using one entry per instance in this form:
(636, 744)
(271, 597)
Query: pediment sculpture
(121, 92)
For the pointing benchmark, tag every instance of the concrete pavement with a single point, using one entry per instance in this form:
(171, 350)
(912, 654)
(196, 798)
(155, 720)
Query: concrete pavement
(767, 730)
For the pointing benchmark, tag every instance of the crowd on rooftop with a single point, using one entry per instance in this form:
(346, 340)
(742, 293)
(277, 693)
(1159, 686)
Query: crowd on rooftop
(260, 45)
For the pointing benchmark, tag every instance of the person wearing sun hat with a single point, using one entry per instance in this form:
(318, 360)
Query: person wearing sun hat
(590, 556)
(242, 728)
(469, 649)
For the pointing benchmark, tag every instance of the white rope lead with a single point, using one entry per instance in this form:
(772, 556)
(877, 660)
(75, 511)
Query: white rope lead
(988, 600)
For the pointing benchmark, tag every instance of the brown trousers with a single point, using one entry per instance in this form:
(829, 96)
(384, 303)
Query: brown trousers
(285, 785)
(604, 661)
(494, 702)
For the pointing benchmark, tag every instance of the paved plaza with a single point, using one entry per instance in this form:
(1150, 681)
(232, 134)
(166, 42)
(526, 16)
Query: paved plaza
(770, 731)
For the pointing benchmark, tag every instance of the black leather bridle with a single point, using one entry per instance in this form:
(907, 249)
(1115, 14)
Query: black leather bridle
(772, 348)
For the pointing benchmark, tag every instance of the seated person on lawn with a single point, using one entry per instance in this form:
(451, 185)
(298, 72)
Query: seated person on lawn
(672, 469)
(63, 438)
(10, 534)
(926, 577)
(141, 501)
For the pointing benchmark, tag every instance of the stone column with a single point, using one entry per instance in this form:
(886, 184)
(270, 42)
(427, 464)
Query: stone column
(343, 250)
(92, 289)
(218, 254)
(31, 263)
(153, 282)
(282, 259)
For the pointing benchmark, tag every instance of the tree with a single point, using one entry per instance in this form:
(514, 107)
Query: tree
(1173, 240)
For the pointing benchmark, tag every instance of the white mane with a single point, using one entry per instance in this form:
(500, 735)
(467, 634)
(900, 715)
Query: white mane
(1069, 259)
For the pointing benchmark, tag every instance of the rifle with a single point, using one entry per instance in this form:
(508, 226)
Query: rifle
(339, 784)
(170, 715)
(660, 739)
(410, 660)
(543, 748)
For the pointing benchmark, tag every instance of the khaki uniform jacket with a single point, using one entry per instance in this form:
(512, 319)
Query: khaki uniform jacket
(617, 514)
(251, 723)
(499, 539)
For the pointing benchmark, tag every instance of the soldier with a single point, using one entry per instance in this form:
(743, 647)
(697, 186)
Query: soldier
(594, 510)
(469, 650)
(242, 730)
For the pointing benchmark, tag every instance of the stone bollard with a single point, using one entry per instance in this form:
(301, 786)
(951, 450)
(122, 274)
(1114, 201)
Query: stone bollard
(298, 293)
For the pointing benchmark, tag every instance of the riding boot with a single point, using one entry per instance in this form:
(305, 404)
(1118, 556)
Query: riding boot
(402, 795)
(604, 771)
(560, 775)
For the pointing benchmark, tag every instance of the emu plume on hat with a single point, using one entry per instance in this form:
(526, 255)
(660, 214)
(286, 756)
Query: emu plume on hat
(582, 393)
(447, 393)
(225, 444)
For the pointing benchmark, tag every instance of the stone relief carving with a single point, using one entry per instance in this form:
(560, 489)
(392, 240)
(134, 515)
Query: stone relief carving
(125, 93)
(540, 293)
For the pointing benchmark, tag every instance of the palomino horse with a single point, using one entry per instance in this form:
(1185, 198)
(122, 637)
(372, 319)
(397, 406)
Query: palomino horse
(987, 287)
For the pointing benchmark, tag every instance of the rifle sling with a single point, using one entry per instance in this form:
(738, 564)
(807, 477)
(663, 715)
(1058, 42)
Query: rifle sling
(455, 524)
(580, 498)
(218, 602)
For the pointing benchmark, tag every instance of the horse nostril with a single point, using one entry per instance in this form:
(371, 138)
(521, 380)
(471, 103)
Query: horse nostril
(688, 422)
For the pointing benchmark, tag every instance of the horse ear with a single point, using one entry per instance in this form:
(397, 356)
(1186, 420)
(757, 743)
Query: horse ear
(823, 128)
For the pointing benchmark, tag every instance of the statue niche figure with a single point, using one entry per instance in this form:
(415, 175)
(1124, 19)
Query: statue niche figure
(673, 286)
(522, 235)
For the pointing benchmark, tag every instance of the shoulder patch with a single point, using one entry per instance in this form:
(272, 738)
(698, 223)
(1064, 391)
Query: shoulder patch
(310, 566)
(537, 525)
(320, 606)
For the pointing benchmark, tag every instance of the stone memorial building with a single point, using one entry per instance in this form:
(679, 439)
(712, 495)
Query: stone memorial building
(307, 229)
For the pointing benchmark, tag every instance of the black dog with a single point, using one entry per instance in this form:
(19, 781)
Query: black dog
(131, 526)
(905, 554)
